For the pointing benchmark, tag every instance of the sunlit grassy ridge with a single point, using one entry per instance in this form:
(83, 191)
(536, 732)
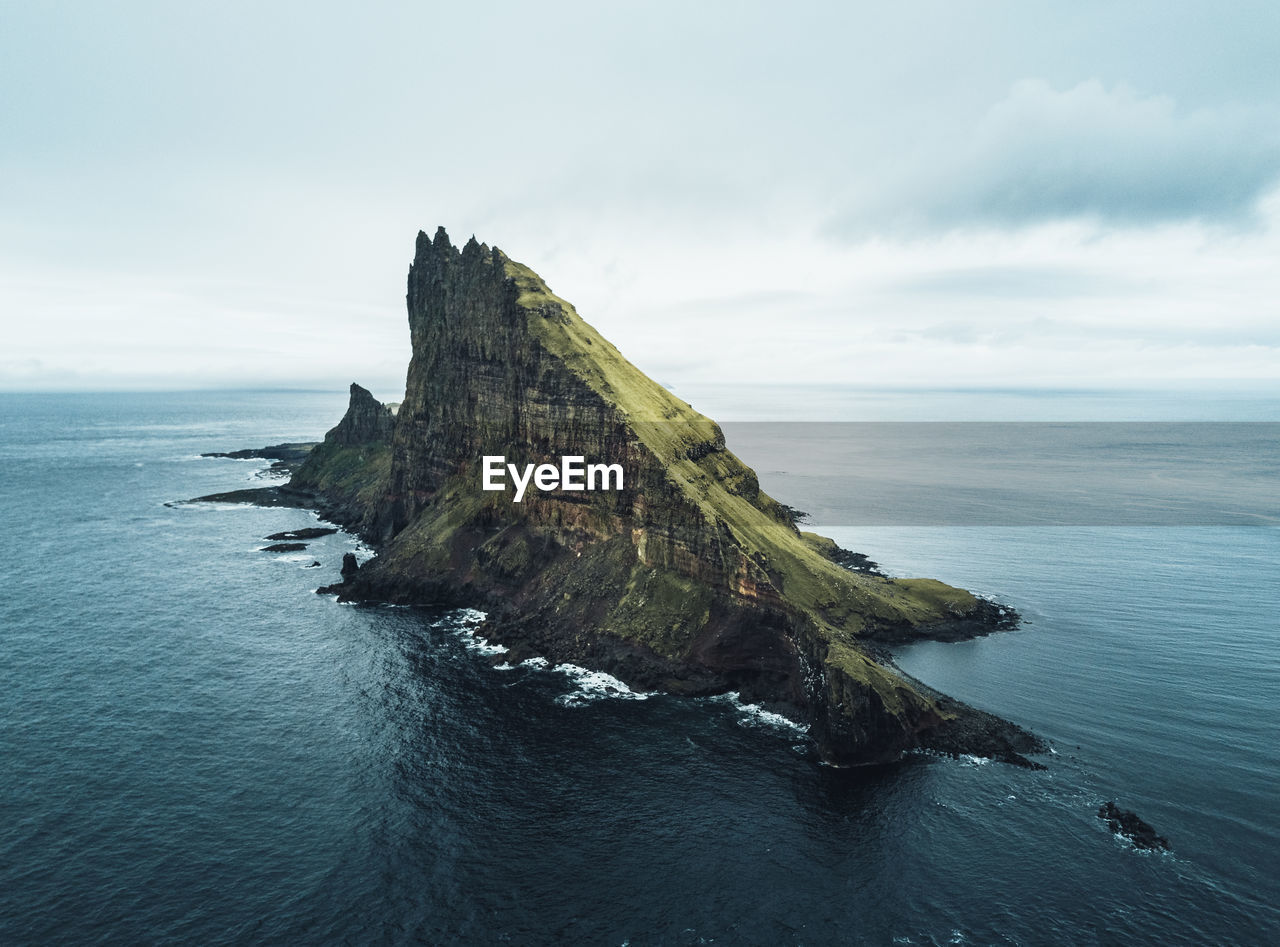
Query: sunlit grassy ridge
(839, 600)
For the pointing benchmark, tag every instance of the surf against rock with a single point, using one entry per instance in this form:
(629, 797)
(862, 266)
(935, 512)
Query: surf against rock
(574, 473)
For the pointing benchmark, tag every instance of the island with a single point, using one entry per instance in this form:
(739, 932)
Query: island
(679, 575)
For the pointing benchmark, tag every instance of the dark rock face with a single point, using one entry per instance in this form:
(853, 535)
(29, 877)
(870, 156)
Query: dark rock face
(1127, 824)
(285, 547)
(349, 566)
(688, 579)
(367, 421)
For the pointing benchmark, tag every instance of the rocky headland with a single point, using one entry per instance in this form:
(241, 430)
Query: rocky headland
(688, 579)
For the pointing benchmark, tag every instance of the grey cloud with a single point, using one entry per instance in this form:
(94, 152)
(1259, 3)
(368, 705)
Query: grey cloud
(1017, 282)
(1089, 152)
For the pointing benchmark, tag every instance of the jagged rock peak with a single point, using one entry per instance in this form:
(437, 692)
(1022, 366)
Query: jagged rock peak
(475, 250)
(367, 421)
(442, 250)
(437, 248)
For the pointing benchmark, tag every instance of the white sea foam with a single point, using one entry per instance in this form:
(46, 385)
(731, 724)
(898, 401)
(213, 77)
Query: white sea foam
(537, 662)
(594, 685)
(753, 715)
(480, 644)
(470, 619)
(362, 552)
(504, 666)
(975, 760)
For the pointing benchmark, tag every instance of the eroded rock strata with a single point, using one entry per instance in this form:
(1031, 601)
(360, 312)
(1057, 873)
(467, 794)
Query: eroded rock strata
(688, 580)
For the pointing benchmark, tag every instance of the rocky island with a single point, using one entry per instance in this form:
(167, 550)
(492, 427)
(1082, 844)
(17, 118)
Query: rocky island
(686, 578)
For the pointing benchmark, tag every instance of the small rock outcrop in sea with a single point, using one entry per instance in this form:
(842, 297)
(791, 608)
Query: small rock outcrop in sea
(285, 547)
(685, 578)
(1128, 825)
(311, 532)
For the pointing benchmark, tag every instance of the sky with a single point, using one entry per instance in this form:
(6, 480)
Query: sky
(982, 195)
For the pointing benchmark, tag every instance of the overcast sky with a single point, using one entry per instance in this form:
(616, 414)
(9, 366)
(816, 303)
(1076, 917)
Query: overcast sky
(970, 194)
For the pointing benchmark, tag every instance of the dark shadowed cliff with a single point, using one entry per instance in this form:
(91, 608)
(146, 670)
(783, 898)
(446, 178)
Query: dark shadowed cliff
(688, 580)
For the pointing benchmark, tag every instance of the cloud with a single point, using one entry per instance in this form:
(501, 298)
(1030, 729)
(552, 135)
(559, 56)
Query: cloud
(1089, 152)
(1017, 281)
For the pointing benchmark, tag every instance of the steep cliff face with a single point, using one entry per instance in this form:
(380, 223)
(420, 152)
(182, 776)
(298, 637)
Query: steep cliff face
(688, 579)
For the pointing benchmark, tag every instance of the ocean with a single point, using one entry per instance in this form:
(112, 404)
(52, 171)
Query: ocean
(199, 749)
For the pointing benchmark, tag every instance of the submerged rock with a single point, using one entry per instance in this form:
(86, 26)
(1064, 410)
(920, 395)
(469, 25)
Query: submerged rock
(1128, 825)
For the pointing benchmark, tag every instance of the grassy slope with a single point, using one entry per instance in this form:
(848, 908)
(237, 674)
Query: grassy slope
(836, 600)
(357, 475)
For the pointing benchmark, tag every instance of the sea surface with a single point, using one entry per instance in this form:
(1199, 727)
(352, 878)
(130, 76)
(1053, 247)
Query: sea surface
(196, 748)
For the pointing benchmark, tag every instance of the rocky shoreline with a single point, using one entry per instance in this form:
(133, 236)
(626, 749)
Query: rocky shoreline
(969, 731)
